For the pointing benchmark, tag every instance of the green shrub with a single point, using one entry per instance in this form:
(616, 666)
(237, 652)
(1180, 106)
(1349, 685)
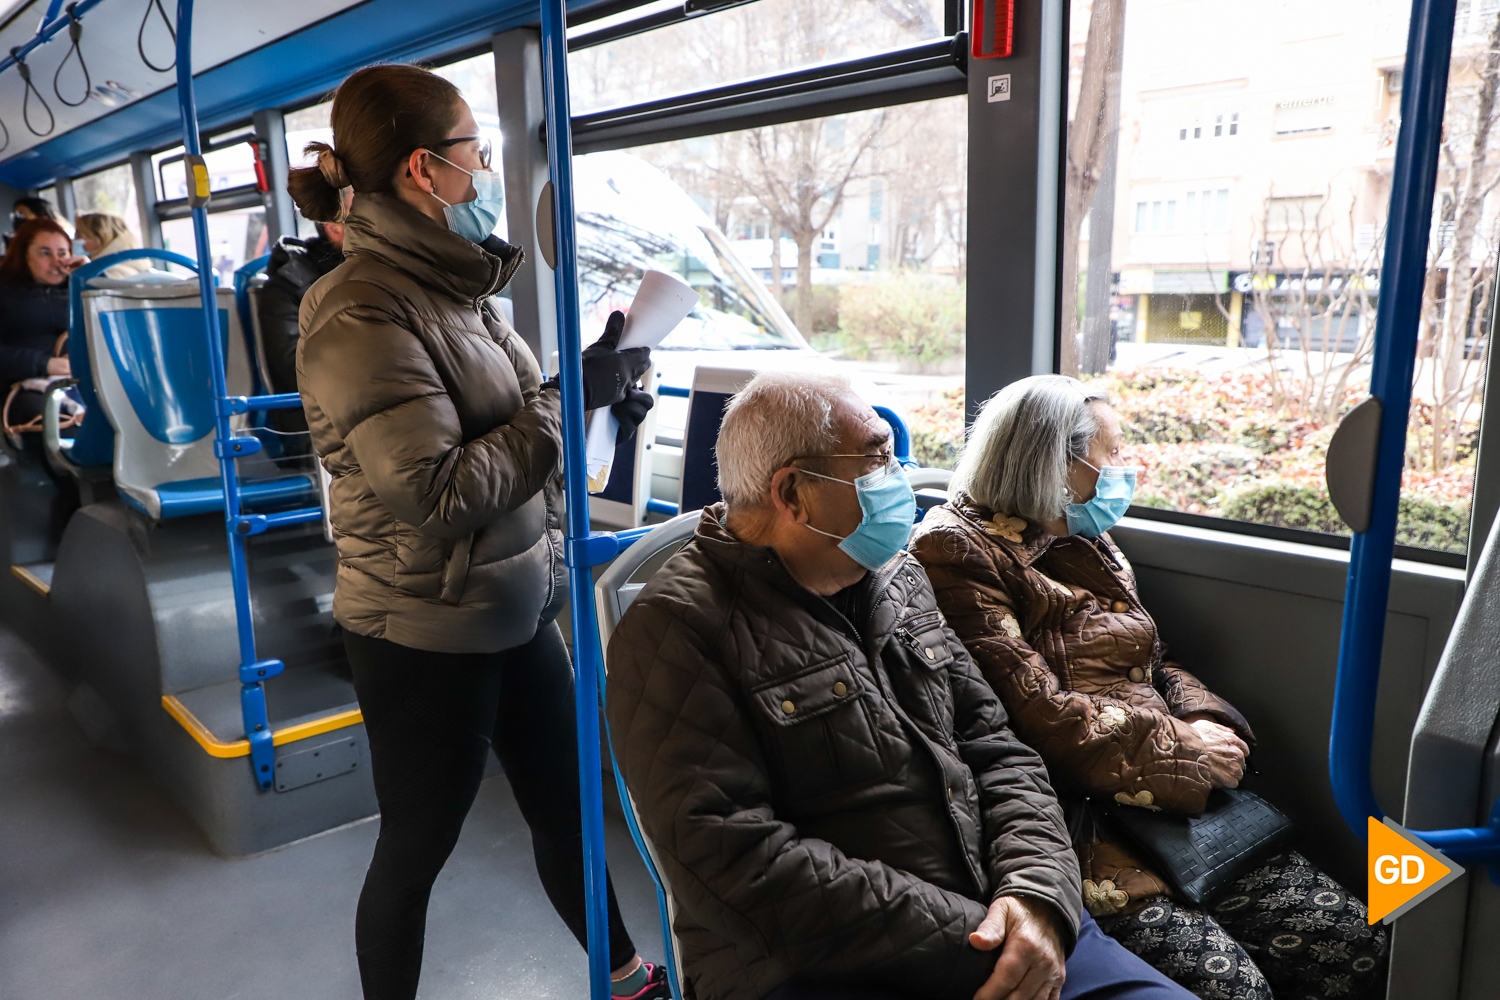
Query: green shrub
(915, 320)
(825, 310)
(1421, 521)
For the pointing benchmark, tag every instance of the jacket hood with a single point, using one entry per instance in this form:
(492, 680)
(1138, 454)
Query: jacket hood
(386, 229)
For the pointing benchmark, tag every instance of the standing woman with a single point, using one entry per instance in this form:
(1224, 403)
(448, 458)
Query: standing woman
(444, 446)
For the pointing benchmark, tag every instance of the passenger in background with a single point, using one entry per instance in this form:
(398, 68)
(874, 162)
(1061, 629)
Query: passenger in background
(34, 313)
(835, 795)
(294, 267)
(27, 208)
(445, 447)
(1047, 605)
(104, 233)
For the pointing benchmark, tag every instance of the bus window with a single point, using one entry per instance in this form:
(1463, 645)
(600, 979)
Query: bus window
(769, 36)
(234, 237)
(869, 274)
(1224, 225)
(109, 190)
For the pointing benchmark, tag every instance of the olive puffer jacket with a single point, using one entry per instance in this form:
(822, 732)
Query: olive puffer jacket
(427, 410)
(1057, 628)
(830, 799)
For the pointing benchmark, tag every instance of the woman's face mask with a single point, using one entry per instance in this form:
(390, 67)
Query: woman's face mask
(1112, 495)
(475, 220)
(890, 509)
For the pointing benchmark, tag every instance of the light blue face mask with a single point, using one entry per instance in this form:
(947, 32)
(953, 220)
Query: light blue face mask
(1112, 495)
(476, 220)
(890, 509)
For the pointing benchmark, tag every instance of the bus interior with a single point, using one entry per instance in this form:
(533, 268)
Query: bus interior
(1234, 219)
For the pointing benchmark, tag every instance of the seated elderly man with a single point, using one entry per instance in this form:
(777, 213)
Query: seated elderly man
(834, 793)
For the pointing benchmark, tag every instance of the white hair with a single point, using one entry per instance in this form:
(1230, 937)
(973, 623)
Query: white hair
(1016, 459)
(777, 417)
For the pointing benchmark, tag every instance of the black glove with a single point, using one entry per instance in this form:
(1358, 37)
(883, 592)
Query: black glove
(608, 373)
(630, 411)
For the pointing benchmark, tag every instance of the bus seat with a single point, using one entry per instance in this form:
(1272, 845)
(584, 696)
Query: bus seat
(256, 337)
(150, 368)
(707, 398)
(616, 588)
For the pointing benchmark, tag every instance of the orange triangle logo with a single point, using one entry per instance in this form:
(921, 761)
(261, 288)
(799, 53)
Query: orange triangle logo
(1402, 871)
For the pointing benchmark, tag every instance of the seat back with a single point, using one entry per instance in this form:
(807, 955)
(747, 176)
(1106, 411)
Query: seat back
(248, 282)
(617, 587)
(710, 393)
(151, 372)
(94, 443)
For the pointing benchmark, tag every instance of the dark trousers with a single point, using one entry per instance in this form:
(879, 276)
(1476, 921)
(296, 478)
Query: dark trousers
(1098, 969)
(431, 719)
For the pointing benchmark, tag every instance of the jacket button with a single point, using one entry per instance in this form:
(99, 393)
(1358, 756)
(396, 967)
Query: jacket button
(911, 579)
(931, 653)
(840, 689)
(1137, 674)
(1119, 606)
(788, 707)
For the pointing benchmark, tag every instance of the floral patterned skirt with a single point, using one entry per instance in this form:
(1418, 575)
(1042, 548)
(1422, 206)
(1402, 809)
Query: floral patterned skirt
(1284, 930)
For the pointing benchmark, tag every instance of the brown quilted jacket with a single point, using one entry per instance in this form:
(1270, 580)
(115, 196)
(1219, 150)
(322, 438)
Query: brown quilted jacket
(1057, 628)
(829, 799)
(427, 411)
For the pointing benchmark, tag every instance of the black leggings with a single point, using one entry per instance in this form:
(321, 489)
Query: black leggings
(431, 719)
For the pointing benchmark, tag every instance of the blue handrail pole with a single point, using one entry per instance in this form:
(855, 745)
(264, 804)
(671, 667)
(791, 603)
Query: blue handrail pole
(587, 655)
(1424, 90)
(252, 672)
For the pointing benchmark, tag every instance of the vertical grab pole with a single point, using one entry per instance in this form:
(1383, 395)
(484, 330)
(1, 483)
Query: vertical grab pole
(1428, 46)
(587, 655)
(226, 446)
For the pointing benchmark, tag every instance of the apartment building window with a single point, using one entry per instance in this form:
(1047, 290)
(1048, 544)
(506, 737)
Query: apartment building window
(1292, 215)
(1224, 124)
(1202, 211)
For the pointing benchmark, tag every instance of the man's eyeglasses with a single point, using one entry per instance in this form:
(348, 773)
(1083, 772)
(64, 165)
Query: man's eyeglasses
(888, 466)
(484, 149)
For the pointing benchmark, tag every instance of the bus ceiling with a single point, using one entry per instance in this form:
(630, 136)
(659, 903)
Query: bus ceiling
(246, 65)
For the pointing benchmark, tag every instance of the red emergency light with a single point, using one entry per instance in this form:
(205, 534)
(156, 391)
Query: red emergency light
(993, 28)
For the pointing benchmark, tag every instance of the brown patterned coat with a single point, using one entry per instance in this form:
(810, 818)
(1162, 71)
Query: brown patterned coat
(1057, 628)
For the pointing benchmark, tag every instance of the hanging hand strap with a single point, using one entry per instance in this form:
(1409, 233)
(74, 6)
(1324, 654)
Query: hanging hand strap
(140, 37)
(75, 33)
(25, 72)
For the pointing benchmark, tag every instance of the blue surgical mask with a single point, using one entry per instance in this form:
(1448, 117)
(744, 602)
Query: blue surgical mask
(476, 220)
(1112, 495)
(890, 509)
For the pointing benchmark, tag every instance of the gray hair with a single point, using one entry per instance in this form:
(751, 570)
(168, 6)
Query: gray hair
(1016, 459)
(777, 417)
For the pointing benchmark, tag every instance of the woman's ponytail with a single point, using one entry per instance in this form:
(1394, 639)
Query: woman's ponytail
(317, 194)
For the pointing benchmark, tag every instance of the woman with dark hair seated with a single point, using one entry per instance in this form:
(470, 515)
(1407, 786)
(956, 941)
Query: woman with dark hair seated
(34, 316)
(1028, 577)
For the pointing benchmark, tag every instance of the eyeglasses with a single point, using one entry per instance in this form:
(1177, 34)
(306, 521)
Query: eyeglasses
(884, 471)
(484, 149)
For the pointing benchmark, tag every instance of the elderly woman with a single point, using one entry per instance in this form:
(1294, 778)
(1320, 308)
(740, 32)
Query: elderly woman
(1028, 577)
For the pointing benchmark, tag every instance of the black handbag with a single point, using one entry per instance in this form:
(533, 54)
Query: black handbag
(1201, 856)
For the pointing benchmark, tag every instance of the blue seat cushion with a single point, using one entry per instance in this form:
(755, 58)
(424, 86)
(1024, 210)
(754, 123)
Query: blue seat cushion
(202, 496)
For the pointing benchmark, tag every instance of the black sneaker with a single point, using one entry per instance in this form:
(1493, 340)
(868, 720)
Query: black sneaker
(656, 987)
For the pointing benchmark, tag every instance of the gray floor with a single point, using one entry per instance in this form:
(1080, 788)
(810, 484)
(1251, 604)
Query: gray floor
(108, 892)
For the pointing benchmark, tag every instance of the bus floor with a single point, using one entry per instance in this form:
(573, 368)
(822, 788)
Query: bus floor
(108, 891)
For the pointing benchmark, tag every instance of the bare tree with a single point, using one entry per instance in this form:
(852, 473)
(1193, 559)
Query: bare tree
(1316, 310)
(1090, 141)
(799, 172)
(1457, 296)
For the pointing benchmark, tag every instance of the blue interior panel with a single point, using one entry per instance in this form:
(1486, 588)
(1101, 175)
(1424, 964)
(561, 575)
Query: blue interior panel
(162, 358)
